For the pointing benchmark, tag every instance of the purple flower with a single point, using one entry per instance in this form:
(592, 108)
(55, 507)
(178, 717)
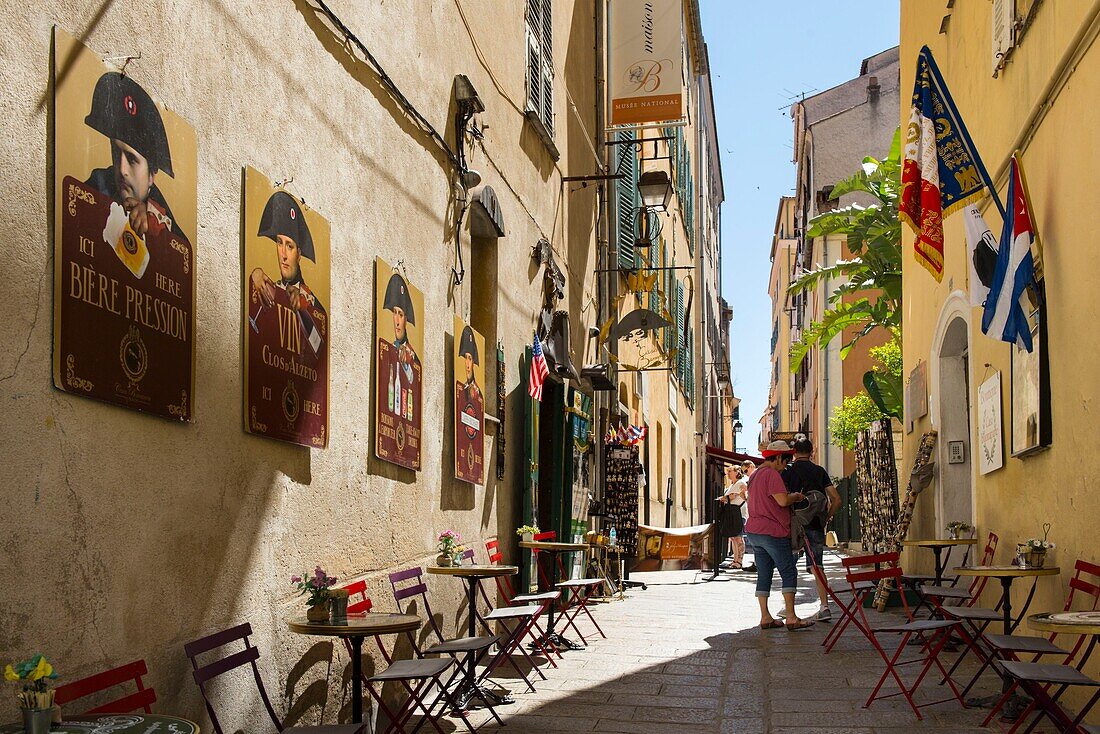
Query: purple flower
(295, 579)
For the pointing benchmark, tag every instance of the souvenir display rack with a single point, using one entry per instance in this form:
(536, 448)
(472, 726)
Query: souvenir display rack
(621, 496)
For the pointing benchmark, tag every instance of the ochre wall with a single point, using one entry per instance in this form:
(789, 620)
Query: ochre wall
(1059, 485)
(126, 536)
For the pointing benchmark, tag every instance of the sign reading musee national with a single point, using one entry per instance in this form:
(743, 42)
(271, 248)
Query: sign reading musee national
(645, 61)
(399, 328)
(124, 265)
(286, 323)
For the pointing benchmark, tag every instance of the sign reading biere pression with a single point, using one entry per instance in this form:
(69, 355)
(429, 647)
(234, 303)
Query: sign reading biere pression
(124, 217)
(469, 369)
(286, 326)
(645, 61)
(399, 333)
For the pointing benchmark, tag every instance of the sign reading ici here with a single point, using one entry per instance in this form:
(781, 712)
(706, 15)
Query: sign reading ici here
(645, 61)
(124, 214)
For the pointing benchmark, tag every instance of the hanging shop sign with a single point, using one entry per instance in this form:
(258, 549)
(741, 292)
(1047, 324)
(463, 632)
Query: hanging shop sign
(645, 61)
(469, 381)
(124, 214)
(285, 251)
(399, 330)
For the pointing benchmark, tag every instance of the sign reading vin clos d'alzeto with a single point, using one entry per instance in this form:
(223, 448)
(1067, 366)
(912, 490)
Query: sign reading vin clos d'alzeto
(286, 325)
(645, 61)
(124, 265)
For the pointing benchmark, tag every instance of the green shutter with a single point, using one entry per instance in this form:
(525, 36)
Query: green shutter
(654, 261)
(626, 201)
(679, 316)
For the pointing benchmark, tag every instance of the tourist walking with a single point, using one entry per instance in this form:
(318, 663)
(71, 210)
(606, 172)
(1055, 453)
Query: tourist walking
(769, 531)
(731, 518)
(822, 500)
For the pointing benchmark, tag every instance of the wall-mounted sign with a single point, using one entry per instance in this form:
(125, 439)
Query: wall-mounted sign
(285, 250)
(399, 332)
(469, 382)
(645, 61)
(124, 266)
(916, 395)
(990, 432)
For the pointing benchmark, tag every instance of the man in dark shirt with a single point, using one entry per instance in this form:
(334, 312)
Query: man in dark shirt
(803, 475)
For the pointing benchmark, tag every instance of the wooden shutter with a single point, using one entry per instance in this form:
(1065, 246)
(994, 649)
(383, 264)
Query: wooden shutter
(540, 61)
(680, 336)
(656, 252)
(626, 200)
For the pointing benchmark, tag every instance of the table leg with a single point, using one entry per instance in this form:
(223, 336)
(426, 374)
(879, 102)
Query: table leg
(1006, 603)
(470, 689)
(357, 680)
(938, 551)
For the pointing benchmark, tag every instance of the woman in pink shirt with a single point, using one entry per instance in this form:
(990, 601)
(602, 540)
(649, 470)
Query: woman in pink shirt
(769, 531)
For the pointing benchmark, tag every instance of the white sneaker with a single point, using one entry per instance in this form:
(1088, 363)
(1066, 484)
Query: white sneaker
(823, 615)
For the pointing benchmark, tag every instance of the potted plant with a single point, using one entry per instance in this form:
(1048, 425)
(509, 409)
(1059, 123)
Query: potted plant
(448, 544)
(316, 589)
(36, 698)
(1036, 554)
(957, 529)
(527, 532)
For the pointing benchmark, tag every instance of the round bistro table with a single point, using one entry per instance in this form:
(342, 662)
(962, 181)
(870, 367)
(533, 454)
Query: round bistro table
(116, 724)
(1006, 575)
(937, 546)
(1064, 623)
(473, 576)
(354, 630)
(555, 549)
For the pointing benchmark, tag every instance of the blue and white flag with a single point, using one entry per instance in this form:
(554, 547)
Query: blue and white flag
(1006, 307)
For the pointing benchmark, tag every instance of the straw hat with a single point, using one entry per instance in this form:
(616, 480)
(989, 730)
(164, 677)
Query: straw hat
(776, 448)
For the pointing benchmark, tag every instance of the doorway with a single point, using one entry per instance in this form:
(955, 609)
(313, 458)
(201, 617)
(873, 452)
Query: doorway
(954, 491)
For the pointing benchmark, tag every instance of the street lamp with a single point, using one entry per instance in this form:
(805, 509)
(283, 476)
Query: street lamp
(736, 429)
(656, 190)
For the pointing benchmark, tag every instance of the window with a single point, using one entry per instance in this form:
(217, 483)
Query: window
(540, 64)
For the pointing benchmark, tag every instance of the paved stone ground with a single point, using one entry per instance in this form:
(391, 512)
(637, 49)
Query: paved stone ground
(686, 655)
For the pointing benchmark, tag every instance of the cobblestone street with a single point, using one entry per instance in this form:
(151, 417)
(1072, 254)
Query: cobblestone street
(686, 655)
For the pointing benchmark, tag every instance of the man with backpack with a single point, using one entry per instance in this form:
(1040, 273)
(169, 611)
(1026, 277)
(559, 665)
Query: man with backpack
(810, 518)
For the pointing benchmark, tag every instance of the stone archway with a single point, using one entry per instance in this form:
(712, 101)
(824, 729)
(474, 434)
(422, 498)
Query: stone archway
(952, 412)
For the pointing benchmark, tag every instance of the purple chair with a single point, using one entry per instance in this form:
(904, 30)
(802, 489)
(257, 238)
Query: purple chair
(248, 656)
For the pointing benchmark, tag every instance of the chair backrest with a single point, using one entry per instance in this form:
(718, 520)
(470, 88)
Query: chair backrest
(408, 584)
(492, 549)
(360, 605)
(142, 699)
(877, 567)
(205, 673)
(547, 535)
(468, 556)
(504, 584)
(978, 584)
(1089, 588)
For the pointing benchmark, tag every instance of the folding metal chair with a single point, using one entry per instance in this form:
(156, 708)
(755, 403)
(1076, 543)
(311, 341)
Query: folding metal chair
(418, 677)
(932, 633)
(203, 674)
(409, 584)
(575, 592)
(933, 596)
(508, 594)
(142, 699)
(1085, 585)
(847, 611)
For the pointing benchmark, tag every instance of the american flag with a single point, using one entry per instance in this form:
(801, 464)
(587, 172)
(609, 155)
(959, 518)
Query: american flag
(539, 371)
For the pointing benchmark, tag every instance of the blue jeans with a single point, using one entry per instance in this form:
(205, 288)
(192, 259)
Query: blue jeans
(816, 540)
(773, 553)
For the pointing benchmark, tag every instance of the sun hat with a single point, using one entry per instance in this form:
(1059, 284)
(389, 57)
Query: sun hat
(775, 448)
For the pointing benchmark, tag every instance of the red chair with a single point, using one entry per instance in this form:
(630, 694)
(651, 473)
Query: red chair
(203, 674)
(575, 591)
(936, 596)
(847, 611)
(933, 633)
(418, 676)
(1006, 648)
(142, 699)
(507, 592)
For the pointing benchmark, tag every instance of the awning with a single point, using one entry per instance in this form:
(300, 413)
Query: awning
(731, 457)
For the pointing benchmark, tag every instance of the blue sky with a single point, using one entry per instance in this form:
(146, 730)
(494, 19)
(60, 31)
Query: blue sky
(761, 56)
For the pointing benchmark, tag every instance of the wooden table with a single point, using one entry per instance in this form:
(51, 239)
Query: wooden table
(354, 630)
(473, 575)
(937, 546)
(1006, 575)
(116, 724)
(555, 549)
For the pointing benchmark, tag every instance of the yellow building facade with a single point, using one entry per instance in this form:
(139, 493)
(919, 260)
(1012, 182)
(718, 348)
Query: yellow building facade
(1036, 97)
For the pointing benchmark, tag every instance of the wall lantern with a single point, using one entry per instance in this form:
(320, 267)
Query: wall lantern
(737, 427)
(656, 190)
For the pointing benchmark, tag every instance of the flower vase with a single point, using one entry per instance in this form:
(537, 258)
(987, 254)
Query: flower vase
(37, 721)
(528, 537)
(953, 534)
(338, 607)
(317, 613)
(443, 560)
(1036, 558)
